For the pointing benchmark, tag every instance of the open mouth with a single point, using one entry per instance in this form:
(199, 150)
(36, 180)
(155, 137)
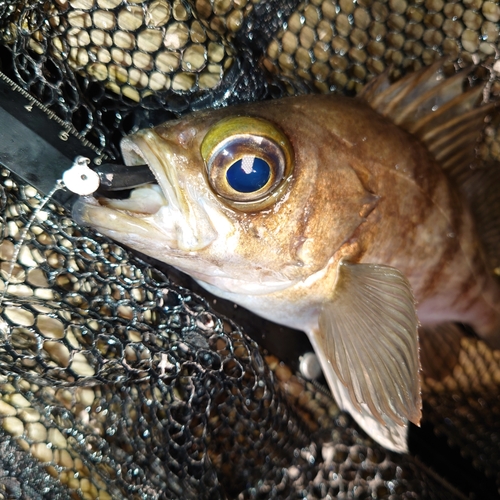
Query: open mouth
(147, 199)
(146, 183)
(132, 188)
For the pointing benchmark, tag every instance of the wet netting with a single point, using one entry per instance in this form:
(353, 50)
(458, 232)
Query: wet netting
(116, 382)
(110, 67)
(119, 384)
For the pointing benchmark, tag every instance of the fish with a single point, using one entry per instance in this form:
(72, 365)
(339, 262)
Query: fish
(347, 218)
(158, 373)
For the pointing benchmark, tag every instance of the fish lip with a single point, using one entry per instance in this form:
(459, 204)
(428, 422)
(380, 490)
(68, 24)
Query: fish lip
(136, 150)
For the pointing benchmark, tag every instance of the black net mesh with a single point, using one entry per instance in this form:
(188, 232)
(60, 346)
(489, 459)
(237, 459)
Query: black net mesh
(117, 383)
(93, 62)
(123, 385)
(110, 67)
(464, 406)
(332, 45)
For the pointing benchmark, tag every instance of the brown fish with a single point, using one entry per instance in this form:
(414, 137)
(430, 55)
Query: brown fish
(320, 213)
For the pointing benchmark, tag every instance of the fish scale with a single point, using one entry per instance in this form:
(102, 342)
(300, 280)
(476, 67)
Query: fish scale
(29, 65)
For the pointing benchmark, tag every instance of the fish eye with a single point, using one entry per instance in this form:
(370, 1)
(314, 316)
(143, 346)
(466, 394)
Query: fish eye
(248, 161)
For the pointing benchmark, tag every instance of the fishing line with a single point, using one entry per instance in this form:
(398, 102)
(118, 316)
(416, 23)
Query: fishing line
(82, 180)
(17, 248)
(79, 179)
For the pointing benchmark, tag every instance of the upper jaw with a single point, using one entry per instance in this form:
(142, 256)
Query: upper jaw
(137, 150)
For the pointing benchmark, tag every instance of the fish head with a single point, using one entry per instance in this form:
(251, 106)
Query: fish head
(248, 198)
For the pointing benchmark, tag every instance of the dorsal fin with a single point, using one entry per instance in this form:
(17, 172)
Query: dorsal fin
(436, 109)
(449, 121)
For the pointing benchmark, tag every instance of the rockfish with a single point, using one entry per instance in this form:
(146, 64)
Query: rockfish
(339, 216)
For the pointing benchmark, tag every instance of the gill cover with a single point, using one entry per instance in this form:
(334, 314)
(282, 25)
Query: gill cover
(248, 161)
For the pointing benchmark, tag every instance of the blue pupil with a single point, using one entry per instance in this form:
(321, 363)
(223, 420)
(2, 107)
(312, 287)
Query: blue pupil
(248, 174)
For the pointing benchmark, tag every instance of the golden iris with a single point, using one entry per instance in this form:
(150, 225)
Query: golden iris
(248, 161)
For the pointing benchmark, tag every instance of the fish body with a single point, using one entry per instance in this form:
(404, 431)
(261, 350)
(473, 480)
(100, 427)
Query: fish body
(356, 230)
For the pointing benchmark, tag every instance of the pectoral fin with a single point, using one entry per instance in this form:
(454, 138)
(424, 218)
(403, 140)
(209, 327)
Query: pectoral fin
(368, 347)
(389, 434)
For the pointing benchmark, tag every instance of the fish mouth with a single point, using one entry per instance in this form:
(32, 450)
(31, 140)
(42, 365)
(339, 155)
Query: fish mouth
(138, 151)
(144, 187)
(168, 206)
(140, 187)
(133, 196)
